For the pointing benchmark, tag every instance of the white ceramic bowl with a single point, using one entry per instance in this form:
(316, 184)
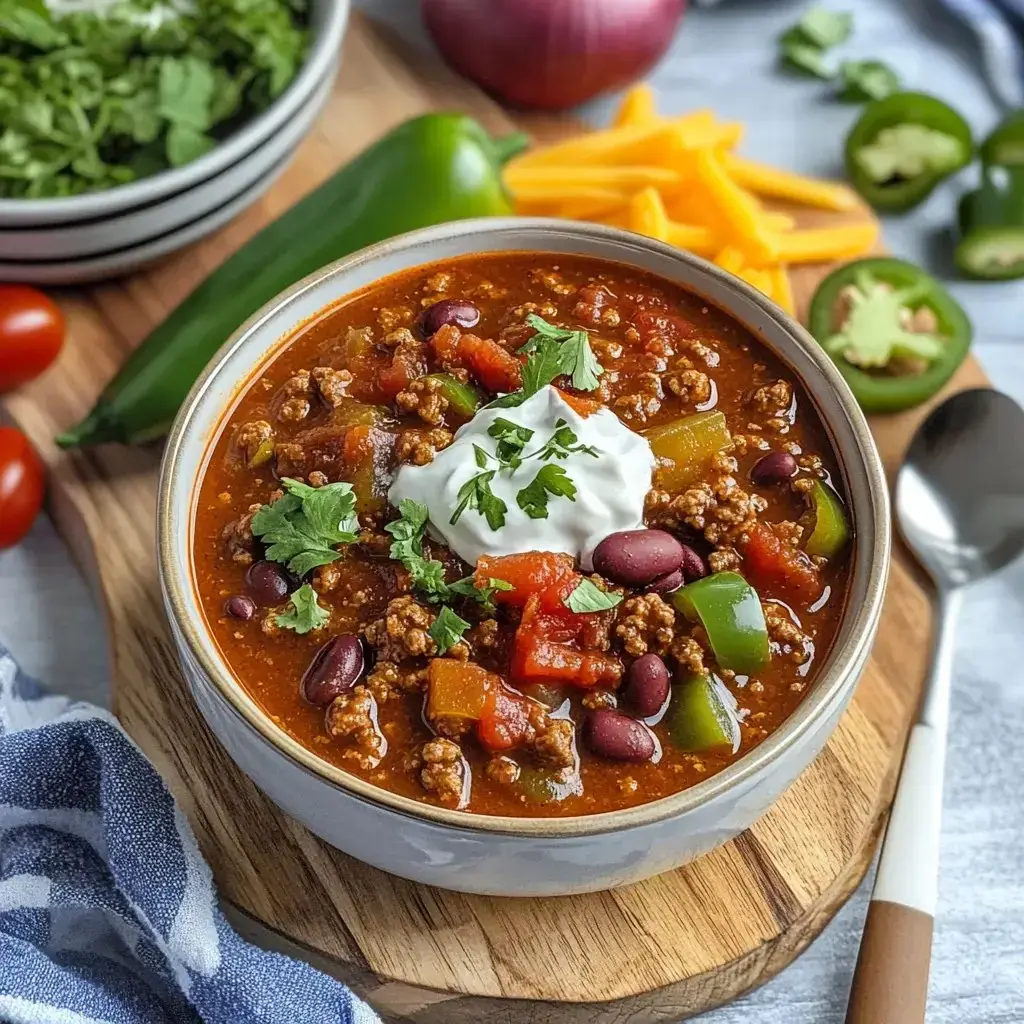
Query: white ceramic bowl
(32, 249)
(328, 19)
(499, 855)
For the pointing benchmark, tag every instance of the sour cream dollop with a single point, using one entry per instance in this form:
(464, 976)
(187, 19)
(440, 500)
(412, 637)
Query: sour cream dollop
(610, 489)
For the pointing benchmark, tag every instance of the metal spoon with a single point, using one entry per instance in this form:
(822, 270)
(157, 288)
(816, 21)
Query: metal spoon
(960, 507)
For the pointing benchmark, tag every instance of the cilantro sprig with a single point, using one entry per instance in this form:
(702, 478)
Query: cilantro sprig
(303, 528)
(550, 479)
(476, 494)
(447, 629)
(305, 613)
(427, 574)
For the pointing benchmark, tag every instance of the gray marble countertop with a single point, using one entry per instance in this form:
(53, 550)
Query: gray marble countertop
(725, 59)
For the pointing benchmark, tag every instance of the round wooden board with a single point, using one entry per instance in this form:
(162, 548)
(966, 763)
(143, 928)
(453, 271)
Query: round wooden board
(661, 950)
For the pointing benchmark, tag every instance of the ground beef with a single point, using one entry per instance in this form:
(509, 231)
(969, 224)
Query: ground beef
(692, 387)
(403, 631)
(645, 402)
(438, 283)
(724, 560)
(444, 771)
(598, 700)
(418, 447)
(317, 479)
(251, 435)
(595, 300)
(787, 638)
(773, 399)
(332, 384)
(425, 397)
(502, 770)
(352, 718)
(486, 634)
(293, 400)
(391, 317)
(403, 338)
(553, 747)
(542, 309)
(238, 539)
(327, 577)
(743, 443)
(387, 680)
(553, 281)
(317, 450)
(646, 625)
(688, 652)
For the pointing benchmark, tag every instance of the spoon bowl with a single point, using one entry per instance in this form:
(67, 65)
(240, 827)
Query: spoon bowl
(960, 492)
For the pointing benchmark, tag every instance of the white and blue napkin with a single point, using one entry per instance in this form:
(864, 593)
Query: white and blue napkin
(108, 913)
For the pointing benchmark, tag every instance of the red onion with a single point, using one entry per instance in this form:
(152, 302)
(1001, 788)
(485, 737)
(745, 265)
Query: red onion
(551, 54)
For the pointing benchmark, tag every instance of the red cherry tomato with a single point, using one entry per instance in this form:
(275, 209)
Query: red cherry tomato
(31, 334)
(21, 486)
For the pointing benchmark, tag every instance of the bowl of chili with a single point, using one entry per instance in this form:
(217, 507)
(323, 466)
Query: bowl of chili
(521, 556)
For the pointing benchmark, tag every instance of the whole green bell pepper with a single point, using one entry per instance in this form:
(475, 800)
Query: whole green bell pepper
(435, 168)
(902, 146)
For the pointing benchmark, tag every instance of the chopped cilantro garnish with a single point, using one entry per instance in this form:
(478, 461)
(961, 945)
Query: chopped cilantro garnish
(576, 357)
(447, 629)
(476, 493)
(304, 526)
(305, 613)
(427, 574)
(512, 439)
(550, 479)
(588, 597)
(562, 444)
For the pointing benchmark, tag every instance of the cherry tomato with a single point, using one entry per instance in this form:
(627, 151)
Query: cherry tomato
(31, 334)
(21, 486)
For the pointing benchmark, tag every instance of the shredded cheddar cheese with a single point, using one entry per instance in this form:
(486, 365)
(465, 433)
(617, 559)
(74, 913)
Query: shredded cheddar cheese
(678, 180)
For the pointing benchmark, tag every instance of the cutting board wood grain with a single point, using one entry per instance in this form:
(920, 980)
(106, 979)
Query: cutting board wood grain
(660, 950)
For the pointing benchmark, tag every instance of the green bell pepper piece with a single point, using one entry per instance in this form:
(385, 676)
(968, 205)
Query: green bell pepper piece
(902, 146)
(1005, 146)
(431, 169)
(991, 222)
(462, 398)
(728, 608)
(541, 786)
(872, 337)
(702, 715)
(831, 531)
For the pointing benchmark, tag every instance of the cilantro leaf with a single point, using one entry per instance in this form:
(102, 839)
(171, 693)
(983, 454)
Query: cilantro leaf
(302, 528)
(588, 597)
(562, 444)
(468, 587)
(476, 494)
(820, 28)
(575, 356)
(447, 629)
(865, 80)
(550, 479)
(512, 439)
(305, 614)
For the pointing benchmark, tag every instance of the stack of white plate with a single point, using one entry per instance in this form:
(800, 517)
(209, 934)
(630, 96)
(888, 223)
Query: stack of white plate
(101, 234)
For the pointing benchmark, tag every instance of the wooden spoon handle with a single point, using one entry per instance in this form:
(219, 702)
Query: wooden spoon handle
(890, 984)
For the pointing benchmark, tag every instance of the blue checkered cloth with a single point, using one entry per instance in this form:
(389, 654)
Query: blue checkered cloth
(108, 913)
(999, 28)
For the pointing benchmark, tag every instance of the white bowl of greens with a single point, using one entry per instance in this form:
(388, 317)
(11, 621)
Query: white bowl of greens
(109, 107)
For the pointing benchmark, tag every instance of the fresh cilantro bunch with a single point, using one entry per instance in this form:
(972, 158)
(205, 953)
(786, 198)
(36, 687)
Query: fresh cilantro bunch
(94, 99)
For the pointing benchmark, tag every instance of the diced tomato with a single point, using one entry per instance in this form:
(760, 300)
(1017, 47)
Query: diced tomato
(584, 406)
(495, 368)
(405, 367)
(446, 343)
(772, 565)
(543, 651)
(506, 723)
(529, 573)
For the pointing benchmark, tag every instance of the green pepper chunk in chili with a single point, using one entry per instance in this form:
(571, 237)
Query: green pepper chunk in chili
(902, 146)
(991, 222)
(894, 332)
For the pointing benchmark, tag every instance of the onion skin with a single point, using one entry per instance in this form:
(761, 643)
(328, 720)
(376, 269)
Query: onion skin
(551, 54)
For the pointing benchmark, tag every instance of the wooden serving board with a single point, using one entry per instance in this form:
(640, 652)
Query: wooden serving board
(661, 950)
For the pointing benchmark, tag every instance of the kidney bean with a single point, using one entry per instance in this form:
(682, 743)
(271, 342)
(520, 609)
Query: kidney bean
(333, 670)
(458, 312)
(667, 583)
(238, 606)
(269, 583)
(774, 468)
(694, 567)
(616, 736)
(637, 557)
(647, 685)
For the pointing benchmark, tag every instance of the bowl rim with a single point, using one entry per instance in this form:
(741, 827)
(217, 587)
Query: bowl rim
(324, 48)
(836, 683)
